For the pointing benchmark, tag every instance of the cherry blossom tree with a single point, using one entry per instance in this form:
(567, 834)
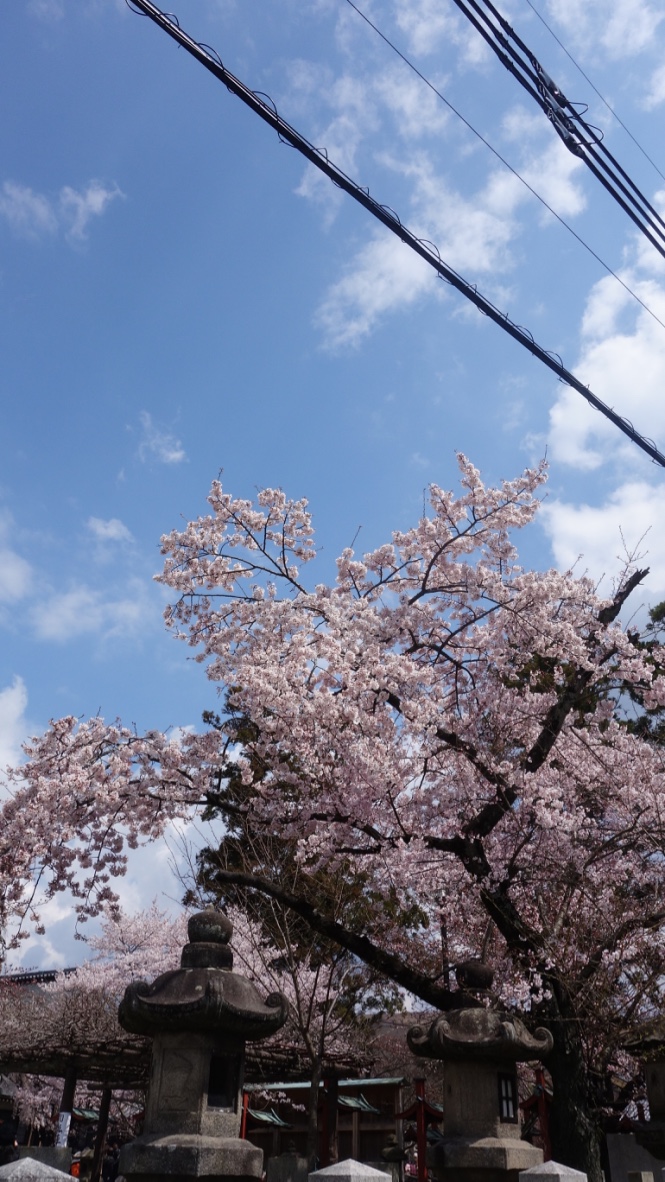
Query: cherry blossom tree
(325, 1022)
(451, 725)
(73, 1021)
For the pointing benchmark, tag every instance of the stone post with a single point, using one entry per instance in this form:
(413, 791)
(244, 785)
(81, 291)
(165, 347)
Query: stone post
(552, 1171)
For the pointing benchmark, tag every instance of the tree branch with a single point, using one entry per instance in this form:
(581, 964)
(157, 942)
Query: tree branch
(377, 958)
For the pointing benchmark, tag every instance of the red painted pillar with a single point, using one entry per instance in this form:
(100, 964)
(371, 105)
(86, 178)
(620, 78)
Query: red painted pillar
(243, 1118)
(421, 1129)
(543, 1114)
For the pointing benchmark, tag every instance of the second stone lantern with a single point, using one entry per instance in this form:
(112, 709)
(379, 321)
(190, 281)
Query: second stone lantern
(199, 1017)
(480, 1049)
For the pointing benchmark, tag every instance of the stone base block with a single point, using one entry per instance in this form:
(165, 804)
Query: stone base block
(483, 1159)
(182, 1158)
(59, 1158)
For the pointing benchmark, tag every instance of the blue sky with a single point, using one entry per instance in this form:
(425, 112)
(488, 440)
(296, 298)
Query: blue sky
(180, 294)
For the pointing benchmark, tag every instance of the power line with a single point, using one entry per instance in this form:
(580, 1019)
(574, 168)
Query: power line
(503, 160)
(595, 88)
(567, 121)
(264, 107)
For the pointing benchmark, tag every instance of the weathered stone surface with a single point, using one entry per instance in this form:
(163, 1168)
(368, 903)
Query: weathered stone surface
(474, 974)
(201, 999)
(479, 1034)
(349, 1171)
(58, 1157)
(287, 1167)
(471, 1102)
(193, 1156)
(627, 1156)
(489, 1158)
(552, 1171)
(31, 1169)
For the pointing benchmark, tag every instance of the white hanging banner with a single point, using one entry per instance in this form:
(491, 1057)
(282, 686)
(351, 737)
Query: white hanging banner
(64, 1121)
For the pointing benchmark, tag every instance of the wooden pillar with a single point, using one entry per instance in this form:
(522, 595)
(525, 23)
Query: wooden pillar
(66, 1107)
(355, 1135)
(329, 1148)
(100, 1139)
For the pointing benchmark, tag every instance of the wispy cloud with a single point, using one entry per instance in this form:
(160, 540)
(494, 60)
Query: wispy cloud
(430, 25)
(84, 610)
(112, 530)
(473, 234)
(13, 722)
(158, 444)
(47, 10)
(77, 209)
(623, 28)
(34, 215)
(29, 214)
(16, 574)
(599, 538)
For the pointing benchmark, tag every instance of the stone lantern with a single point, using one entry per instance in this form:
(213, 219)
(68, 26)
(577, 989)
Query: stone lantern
(199, 1017)
(480, 1049)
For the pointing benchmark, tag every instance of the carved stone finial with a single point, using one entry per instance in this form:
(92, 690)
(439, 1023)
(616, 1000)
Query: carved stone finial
(209, 933)
(474, 974)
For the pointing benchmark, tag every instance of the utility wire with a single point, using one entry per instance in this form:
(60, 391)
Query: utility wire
(566, 120)
(595, 88)
(503, 160)
(263, 106)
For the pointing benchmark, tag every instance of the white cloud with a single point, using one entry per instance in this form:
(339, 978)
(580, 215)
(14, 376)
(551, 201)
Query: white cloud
(158, 444)
(29, 214)
(417, 110)
(623, 28)
(33, 215)
(629, 523)
(15, 576)
(85, 611)
(354, 116)
(656, 92)
(473, 236)
(112, 530)
(15, 572)
(13, 723)
(384, 275)
(76, 209)
(430, 25)
(624, 365)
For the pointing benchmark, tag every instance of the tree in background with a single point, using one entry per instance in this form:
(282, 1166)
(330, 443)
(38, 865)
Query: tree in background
(336, 1000)
(74, 1019)
(439, 721)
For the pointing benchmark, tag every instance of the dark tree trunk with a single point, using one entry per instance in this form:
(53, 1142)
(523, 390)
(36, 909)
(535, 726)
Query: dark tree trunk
(574, 1131)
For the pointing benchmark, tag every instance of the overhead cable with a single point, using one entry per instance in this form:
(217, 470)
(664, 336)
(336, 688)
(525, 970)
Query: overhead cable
(581, 138)
(264, 107)
(586, 77)
(503, 160)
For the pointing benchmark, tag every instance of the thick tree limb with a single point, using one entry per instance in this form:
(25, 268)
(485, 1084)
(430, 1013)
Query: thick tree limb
(387, 963)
